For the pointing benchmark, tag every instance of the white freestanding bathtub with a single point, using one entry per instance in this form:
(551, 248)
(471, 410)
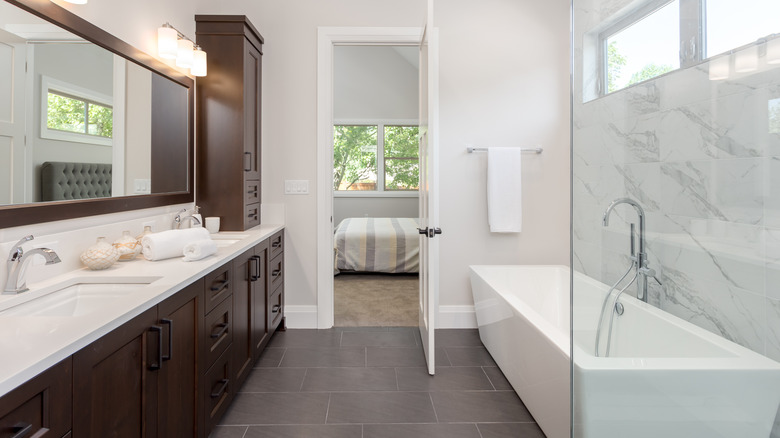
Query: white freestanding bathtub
(664, 378)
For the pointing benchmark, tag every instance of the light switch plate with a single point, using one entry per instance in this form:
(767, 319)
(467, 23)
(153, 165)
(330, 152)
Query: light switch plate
(296, 187)
(142, 186)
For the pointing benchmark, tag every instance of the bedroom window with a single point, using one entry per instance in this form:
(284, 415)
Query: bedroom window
(71, 113)
(375, 158)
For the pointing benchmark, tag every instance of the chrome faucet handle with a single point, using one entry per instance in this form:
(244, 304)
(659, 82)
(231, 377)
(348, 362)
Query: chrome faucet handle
(16, 251)
(649, 272)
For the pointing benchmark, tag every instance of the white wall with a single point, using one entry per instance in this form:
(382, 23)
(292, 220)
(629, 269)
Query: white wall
(374, 82)
(138, 131)
(504, 81)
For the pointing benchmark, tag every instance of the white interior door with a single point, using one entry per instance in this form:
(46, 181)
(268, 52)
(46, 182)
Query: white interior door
(12, 148)
(429, 186)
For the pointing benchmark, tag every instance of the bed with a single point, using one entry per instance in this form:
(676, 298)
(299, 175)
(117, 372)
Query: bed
(388, 245)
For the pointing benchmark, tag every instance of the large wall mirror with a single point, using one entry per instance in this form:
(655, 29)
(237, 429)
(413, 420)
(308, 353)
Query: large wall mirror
(88, 124)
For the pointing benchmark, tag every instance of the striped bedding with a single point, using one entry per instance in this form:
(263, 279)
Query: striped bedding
(377, 245)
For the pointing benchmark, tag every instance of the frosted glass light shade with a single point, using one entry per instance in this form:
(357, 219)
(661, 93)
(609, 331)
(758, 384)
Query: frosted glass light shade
(719, 68)
(166, 42)
(773, 51)
(746, 60)
(199, 66)
(77, 2)
(184, 55)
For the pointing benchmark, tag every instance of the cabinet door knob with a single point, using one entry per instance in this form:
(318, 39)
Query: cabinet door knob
(21, 429)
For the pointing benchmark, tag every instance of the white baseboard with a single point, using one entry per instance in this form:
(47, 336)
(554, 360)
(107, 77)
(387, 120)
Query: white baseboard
(300, 317)
(456, 317)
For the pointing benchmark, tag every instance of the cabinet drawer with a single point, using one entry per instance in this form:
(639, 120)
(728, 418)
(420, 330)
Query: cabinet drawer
(275, 308)
(276, 244)
(252, 192)
(218, 286)
(275, 272)
(41, 406)
(219, 331)
(217, 391)
(252, 216)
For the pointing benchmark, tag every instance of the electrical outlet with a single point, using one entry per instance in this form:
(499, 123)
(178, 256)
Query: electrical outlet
(296, 187)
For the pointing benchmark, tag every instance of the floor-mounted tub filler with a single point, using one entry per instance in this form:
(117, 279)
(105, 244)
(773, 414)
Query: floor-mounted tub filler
(664, 377)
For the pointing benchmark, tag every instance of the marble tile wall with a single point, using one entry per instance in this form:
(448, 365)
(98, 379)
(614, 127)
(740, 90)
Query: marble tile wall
(700, 157)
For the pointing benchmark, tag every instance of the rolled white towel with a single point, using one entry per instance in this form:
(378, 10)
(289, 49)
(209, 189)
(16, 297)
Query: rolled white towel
(199, 250)
(168, 244)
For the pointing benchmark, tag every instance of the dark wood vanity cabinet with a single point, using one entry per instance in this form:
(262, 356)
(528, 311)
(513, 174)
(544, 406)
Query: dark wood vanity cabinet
(228, 114)
(141, 379)
(41, 407)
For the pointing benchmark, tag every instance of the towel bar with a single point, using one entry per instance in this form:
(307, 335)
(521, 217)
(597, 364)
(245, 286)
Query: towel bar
(471, 150)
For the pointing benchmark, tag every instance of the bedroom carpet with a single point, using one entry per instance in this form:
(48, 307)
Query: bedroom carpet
(375, 300)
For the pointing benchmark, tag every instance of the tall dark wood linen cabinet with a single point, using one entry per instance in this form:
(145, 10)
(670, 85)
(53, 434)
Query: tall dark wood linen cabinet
(228, 121)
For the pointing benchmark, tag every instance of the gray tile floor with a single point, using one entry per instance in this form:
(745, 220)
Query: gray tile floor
(367, 382)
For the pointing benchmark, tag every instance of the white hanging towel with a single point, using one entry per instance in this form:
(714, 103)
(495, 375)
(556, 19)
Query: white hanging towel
(504, 190)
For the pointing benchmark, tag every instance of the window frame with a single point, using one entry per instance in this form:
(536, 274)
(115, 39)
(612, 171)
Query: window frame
(380, 159)
(66, 89)
(692, 44)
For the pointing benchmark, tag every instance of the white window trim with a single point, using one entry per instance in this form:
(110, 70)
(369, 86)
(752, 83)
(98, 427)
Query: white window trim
(380, 191)
(57, 85)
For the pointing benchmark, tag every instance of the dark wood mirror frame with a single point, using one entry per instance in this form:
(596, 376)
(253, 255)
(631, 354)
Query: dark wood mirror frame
(23, 214)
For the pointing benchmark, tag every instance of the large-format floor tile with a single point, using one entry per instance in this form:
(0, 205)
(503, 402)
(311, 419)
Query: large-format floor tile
(381, 407)
(274, 380)
(324, 357)
(497, 378)
(399, 338)
(318, 431)
(469, 356)
(458, 338)
(446, 379)
(228, 432)
(306, 338)
(510, 430)
(277, 408)
(441, 358)
(350, 379)
(395, 357)
(479, 406)
(271, 357)
(420, 430)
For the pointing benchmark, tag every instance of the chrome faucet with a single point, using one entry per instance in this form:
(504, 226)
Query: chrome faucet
(17, 263)
(178, 219)
(639, 258)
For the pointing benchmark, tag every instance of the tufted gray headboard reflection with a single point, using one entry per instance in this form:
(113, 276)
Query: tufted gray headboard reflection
(60, 181)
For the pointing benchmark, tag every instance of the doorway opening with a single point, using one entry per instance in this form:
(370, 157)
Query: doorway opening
(375, 185)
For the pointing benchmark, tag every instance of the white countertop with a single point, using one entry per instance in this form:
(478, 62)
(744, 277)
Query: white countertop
(31, 344)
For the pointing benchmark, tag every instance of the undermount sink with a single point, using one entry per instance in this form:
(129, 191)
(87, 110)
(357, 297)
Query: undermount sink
(79, 296)
(223, 239)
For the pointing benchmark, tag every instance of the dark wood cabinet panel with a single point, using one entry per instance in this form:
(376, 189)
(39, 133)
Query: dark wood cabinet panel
(42, 406)
(217, 388)
(260, 328)
(219, 332)
(229, 111)
(181, 317)
(115, 381)
(218, 285)
(245, 269)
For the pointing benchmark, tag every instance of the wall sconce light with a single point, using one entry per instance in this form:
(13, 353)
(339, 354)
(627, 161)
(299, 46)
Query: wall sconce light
(746, 60)
(172, 44)
(773, 51)
(719, 68)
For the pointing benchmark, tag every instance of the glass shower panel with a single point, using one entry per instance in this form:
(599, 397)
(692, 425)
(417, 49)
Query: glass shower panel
(694, 156)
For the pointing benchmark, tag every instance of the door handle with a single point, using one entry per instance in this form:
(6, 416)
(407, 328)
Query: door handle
(223, 384)
(430, 232)
(21, 429)
(255, 270)
(247, 164)
(223, 328)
